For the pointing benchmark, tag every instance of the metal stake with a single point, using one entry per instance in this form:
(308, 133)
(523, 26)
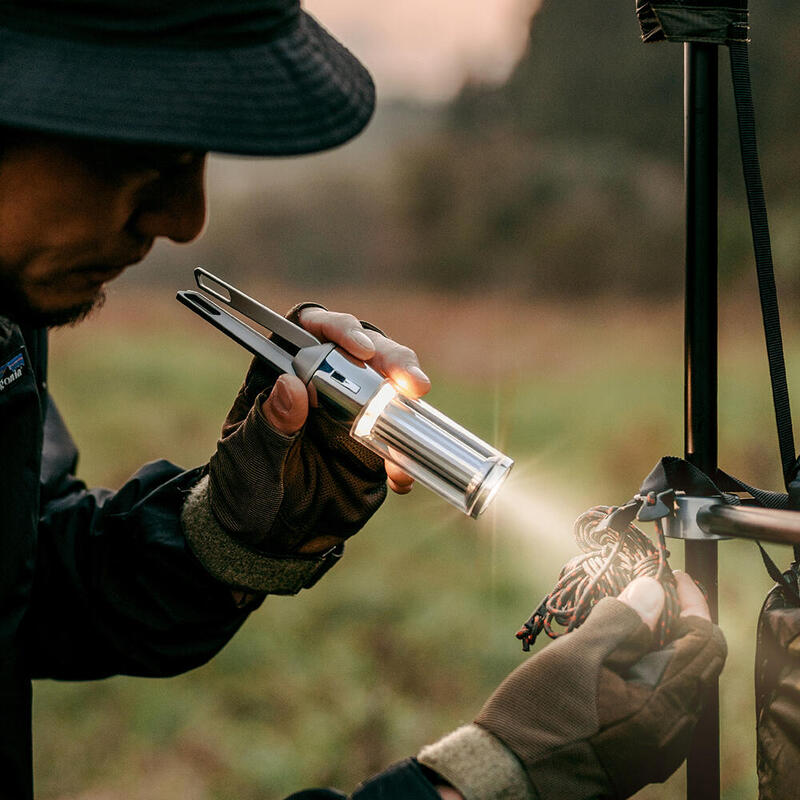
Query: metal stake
(700, 443)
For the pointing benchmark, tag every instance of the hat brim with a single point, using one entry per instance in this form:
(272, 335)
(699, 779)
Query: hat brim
(299, 93)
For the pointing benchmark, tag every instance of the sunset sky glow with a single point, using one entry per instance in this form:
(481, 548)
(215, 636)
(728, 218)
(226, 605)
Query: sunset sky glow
(425, 50)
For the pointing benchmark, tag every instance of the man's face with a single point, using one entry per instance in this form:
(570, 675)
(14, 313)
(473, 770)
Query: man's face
(75, 213)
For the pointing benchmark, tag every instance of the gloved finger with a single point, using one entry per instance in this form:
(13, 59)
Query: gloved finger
(259, 377)
(700, 650)
(246, 477)
(343, 330)
(399, 363)
(286, 407)
(646, 597)
(613, 633)
(693, 604)
(650, 743)
(399, 481)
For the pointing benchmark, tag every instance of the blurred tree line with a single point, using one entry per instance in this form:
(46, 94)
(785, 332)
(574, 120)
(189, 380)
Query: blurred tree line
(567, 180)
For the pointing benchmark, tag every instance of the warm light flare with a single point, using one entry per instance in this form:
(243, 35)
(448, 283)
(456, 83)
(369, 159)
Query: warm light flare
(536, 510)
(404, 384)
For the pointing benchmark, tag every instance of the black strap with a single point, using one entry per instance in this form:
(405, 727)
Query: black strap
(763, 497)
(680, 475)
(759, 225)
(740, 73)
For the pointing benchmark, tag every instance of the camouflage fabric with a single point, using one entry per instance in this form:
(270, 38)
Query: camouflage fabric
(777, 674)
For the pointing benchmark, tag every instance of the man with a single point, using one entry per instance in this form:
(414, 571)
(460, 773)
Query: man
(107, 109)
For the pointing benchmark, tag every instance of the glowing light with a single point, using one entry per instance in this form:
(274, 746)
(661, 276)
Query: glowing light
(403, 384)
(365, 421)
(537, 510)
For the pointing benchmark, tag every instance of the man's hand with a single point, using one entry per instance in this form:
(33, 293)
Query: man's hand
(286, 476)
(597, 713)
(287, 406)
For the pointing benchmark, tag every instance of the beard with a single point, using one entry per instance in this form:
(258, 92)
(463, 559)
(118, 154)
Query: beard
(15, 305)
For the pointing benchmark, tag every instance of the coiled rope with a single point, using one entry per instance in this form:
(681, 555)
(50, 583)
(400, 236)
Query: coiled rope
(610, 560)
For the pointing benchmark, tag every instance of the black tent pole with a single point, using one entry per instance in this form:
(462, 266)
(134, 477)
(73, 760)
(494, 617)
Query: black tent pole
(700, 437)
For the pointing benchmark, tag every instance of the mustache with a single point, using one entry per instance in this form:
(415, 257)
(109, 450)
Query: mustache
(118, 260)
(112, 265)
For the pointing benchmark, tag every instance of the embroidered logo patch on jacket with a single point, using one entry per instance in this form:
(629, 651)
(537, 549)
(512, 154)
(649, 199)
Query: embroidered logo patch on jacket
(12, 371)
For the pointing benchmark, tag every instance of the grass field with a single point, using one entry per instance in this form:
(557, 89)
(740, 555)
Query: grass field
(406, 638)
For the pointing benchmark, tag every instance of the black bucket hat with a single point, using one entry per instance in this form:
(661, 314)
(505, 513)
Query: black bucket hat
(258, 77)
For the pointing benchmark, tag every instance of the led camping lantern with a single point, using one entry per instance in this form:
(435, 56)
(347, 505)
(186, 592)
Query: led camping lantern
(448, 459)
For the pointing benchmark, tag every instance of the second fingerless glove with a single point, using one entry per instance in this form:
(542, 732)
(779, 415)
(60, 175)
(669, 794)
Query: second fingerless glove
(596, 714)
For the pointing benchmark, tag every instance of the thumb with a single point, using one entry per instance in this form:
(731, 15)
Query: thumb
(646, 597)
(614, 634)
(286, 408)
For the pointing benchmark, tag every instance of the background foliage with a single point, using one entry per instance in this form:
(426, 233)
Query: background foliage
(565, 181)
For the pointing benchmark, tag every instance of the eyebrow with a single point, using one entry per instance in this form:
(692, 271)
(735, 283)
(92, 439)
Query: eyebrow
(157, 157)
(122, 158)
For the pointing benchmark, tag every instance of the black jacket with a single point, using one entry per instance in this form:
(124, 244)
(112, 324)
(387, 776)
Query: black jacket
(405, 780)
(96, 583)
(92, 582)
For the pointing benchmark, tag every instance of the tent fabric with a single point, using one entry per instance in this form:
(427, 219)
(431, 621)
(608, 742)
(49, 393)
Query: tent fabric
(709, 21)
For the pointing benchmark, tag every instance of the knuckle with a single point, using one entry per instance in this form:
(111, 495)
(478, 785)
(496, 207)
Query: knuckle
(402, 353)
(347, 320)
(310, 314)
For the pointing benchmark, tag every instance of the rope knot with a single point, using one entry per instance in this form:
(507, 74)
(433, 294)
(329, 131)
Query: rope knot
(610, 560)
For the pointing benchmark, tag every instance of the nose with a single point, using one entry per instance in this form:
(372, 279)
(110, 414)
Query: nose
(174, 206)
